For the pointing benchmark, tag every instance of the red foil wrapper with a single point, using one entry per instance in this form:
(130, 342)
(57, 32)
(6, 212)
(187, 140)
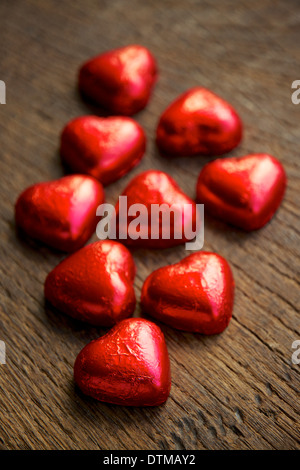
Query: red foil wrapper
(193, 295)
(106, 148)
(95, 284)
(244, 191)
(128, 366)
(121, 80)
(198, 122)
(156, 187)
(60, 213)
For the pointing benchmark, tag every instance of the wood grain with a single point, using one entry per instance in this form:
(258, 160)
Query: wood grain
(238, 390)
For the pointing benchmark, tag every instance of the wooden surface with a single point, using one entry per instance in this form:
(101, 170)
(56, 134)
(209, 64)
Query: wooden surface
(238, 390)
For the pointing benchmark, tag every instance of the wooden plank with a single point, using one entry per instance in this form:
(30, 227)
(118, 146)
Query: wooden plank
(238, 390)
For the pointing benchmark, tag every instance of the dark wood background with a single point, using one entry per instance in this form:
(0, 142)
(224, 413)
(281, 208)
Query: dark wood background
(238, 390)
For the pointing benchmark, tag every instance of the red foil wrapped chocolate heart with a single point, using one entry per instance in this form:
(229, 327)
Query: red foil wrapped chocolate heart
(120, 80)
(95, 284)
(244, 191)
(151, 189)
(127, 366)
(193, 295)
(106, 148)
(198, 122)
(60, 213)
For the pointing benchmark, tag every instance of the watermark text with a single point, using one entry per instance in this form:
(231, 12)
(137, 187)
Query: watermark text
(296, 94)
(296, 354)
(155, 222)
(2, 92)
(2, 353)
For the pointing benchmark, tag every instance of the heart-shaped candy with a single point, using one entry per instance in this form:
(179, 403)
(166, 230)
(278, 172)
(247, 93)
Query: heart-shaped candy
(106, 148)
(60, 213)
(193, 295)
(155, 190)
(120, 80)
(95, 284)
(244, 191)
(127, 366)
(198, 122)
